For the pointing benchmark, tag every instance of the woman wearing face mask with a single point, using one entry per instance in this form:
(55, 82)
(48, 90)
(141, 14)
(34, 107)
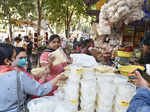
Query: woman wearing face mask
(54, 43)
(21, 60)
(15, 85)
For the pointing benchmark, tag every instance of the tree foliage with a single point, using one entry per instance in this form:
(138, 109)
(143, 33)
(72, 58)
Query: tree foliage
(64, 12)
(17, 9)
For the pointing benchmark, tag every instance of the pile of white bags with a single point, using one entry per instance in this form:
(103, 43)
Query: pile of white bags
(105, 93)
(88, 91)
(71, 88)
(119, 11)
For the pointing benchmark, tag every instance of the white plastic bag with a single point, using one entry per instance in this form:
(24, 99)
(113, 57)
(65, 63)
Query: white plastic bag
(89, 74)
(106, 90)
(88, 95)
(120, 79)
(83, 60)
(43, 104)
(125, 92)
(75, 73)
(104, 79)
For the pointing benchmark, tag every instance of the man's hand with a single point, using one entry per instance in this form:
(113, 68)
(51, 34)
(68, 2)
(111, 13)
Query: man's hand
(140, 81)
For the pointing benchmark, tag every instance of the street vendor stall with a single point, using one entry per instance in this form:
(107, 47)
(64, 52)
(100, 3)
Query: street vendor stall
(88, 88)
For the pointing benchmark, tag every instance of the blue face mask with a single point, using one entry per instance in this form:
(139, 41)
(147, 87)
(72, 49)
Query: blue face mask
(22, 62)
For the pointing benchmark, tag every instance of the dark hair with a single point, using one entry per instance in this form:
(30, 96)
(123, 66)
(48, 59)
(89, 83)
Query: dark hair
(6, 39)
(86, 42)
(26, 37)
(54, 36)
(18, 39)
(19, 49)
(6, 52)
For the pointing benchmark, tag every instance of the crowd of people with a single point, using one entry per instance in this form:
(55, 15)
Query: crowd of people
(17, 82)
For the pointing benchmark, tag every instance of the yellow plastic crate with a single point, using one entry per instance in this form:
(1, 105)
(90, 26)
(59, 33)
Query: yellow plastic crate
(124, 54)
(125, 70)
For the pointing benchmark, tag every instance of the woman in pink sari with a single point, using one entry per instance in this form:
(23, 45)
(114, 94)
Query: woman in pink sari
(54, 43)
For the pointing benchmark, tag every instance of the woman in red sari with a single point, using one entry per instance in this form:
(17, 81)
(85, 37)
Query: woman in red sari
(54, 43)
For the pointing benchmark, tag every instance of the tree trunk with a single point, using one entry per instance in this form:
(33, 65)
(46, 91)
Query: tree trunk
(51, 31)
(10, 28)
(39, 17)
(67, 30)
(67, 24)
(10, 31)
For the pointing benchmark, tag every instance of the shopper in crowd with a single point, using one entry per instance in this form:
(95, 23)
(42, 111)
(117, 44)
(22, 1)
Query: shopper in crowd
(141, 101)
(18, 41)
(146, 49)
(54, 43)
(20, 65)
(7, 40)
(87, 46)
(29, 47)
(75, 43)
(63, 43)
(15, 85)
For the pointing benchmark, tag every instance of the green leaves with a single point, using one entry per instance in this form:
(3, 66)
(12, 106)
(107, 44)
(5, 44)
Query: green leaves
(64, 12)
(61, 13)
(17, 9)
